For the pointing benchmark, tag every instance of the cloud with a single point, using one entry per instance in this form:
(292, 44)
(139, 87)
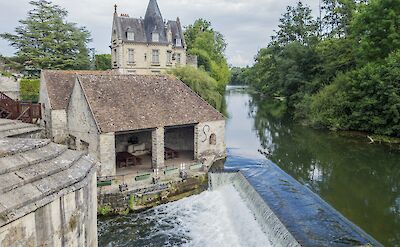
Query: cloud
(246, 24)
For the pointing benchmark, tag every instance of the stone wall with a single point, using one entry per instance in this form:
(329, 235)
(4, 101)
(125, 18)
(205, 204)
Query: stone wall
(10, 87)
(151, 196)
(81, 124)
(143, 58)
(107, 155)
(157, 137)
(59, 128)
(204, 144)
(69, 220)
(180, 139)
(192, 61)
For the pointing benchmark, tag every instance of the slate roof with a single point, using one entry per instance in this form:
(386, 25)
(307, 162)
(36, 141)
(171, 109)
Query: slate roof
(60, 84)
(134, 102)
(35, 172)
(143, 28)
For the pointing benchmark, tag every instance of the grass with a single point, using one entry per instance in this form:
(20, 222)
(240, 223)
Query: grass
(30, 90)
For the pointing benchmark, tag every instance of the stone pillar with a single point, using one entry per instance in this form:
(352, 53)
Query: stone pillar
(157, 142)
(196, 142)
(107, 155)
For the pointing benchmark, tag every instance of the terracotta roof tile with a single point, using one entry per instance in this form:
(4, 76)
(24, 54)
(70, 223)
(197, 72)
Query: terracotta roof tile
(132, 102)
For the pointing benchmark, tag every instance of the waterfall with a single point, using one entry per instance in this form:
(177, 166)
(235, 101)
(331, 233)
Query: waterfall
(266, 218)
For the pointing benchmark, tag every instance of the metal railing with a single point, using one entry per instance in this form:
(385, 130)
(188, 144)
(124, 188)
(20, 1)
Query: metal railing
(27, 112)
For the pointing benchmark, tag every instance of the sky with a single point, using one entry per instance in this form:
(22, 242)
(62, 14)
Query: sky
(246, 24)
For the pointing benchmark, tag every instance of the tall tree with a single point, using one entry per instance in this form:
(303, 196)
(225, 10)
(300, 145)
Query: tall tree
(338, 15)
(297, 24)
(376, 28)
(45, 40)
(209, 46)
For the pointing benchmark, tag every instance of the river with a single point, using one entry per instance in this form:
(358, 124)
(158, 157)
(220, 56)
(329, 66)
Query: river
(360, 180)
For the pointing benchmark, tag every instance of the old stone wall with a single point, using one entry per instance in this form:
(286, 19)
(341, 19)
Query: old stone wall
(107, 155)
(69, 220)
(157, 137)
(82, 127)
(59, 128)
(10, 87)
(180, 139)
(143, 58)
(46, 109)
(151, 196)
(210, 139)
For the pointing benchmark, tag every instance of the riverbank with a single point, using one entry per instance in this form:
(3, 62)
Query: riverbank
(280, 111)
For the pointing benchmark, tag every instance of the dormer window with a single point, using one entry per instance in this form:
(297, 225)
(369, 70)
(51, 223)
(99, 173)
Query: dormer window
(178, 42)
(155, 37)
(130, 35)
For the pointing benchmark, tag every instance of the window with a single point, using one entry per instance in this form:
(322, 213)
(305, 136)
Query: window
(178, 58)
(178, 42)
(131, 56)
(156, 56)
(169, 57)
(213, 139)
(155, 37)
(130, 35)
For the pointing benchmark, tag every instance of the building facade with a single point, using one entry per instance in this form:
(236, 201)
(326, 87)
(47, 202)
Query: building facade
(148, 46)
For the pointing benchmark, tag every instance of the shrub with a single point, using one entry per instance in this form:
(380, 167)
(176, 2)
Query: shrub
(30, 89)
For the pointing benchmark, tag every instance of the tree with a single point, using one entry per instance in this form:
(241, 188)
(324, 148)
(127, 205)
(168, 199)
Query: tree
(209, 46)
(45, 40)
(297, 24)
(103, 62)
(376, 29)
(338, 15)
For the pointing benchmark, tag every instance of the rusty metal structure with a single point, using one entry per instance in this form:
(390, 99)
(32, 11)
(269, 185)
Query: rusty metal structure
(27, 112)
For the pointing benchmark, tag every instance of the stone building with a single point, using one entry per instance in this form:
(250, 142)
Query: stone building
(47, 195)
(143, 115)
(148, 46)
(55, 89)
(10, 87)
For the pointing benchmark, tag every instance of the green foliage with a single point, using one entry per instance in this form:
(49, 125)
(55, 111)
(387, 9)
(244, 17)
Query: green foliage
(104, 210)
(45, 40)
(239, 76)
(376, 28)
(343, 76)
(204, 85)
(5, 73)
(366, 99)
(30, 89)
(103, 62)
(209, 46)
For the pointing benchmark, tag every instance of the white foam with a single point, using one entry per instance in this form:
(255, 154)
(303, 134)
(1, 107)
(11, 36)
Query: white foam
(215, 218)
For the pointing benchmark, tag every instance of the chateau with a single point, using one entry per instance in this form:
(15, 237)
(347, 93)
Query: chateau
(149, 45)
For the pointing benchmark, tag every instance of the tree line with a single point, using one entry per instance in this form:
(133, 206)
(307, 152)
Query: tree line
(339, 71)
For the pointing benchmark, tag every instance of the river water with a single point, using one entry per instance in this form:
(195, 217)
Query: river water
(360, 180)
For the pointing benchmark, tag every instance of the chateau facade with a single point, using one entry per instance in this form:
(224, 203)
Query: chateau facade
(148, 46)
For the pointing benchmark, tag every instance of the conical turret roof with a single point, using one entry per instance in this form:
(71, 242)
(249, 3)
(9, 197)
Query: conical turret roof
(153, 21)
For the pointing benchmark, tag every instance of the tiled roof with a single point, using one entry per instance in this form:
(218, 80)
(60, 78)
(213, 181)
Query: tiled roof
(143, 28)
(60, 84)
(133, 102)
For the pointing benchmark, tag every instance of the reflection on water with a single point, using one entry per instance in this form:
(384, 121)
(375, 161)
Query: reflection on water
(360, 180)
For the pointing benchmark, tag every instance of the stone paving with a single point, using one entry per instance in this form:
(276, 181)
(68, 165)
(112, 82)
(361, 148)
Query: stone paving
(15, 128)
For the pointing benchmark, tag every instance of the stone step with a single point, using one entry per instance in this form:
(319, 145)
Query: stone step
(20, 131)
(38, 171)
(14, 125)
(31, 156)
(4, 121)
(12, 146)
(33, 193)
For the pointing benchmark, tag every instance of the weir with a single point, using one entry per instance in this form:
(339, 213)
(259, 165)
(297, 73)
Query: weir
(289, 213)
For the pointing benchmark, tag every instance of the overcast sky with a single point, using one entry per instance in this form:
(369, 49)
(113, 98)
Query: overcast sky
(246, 24)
